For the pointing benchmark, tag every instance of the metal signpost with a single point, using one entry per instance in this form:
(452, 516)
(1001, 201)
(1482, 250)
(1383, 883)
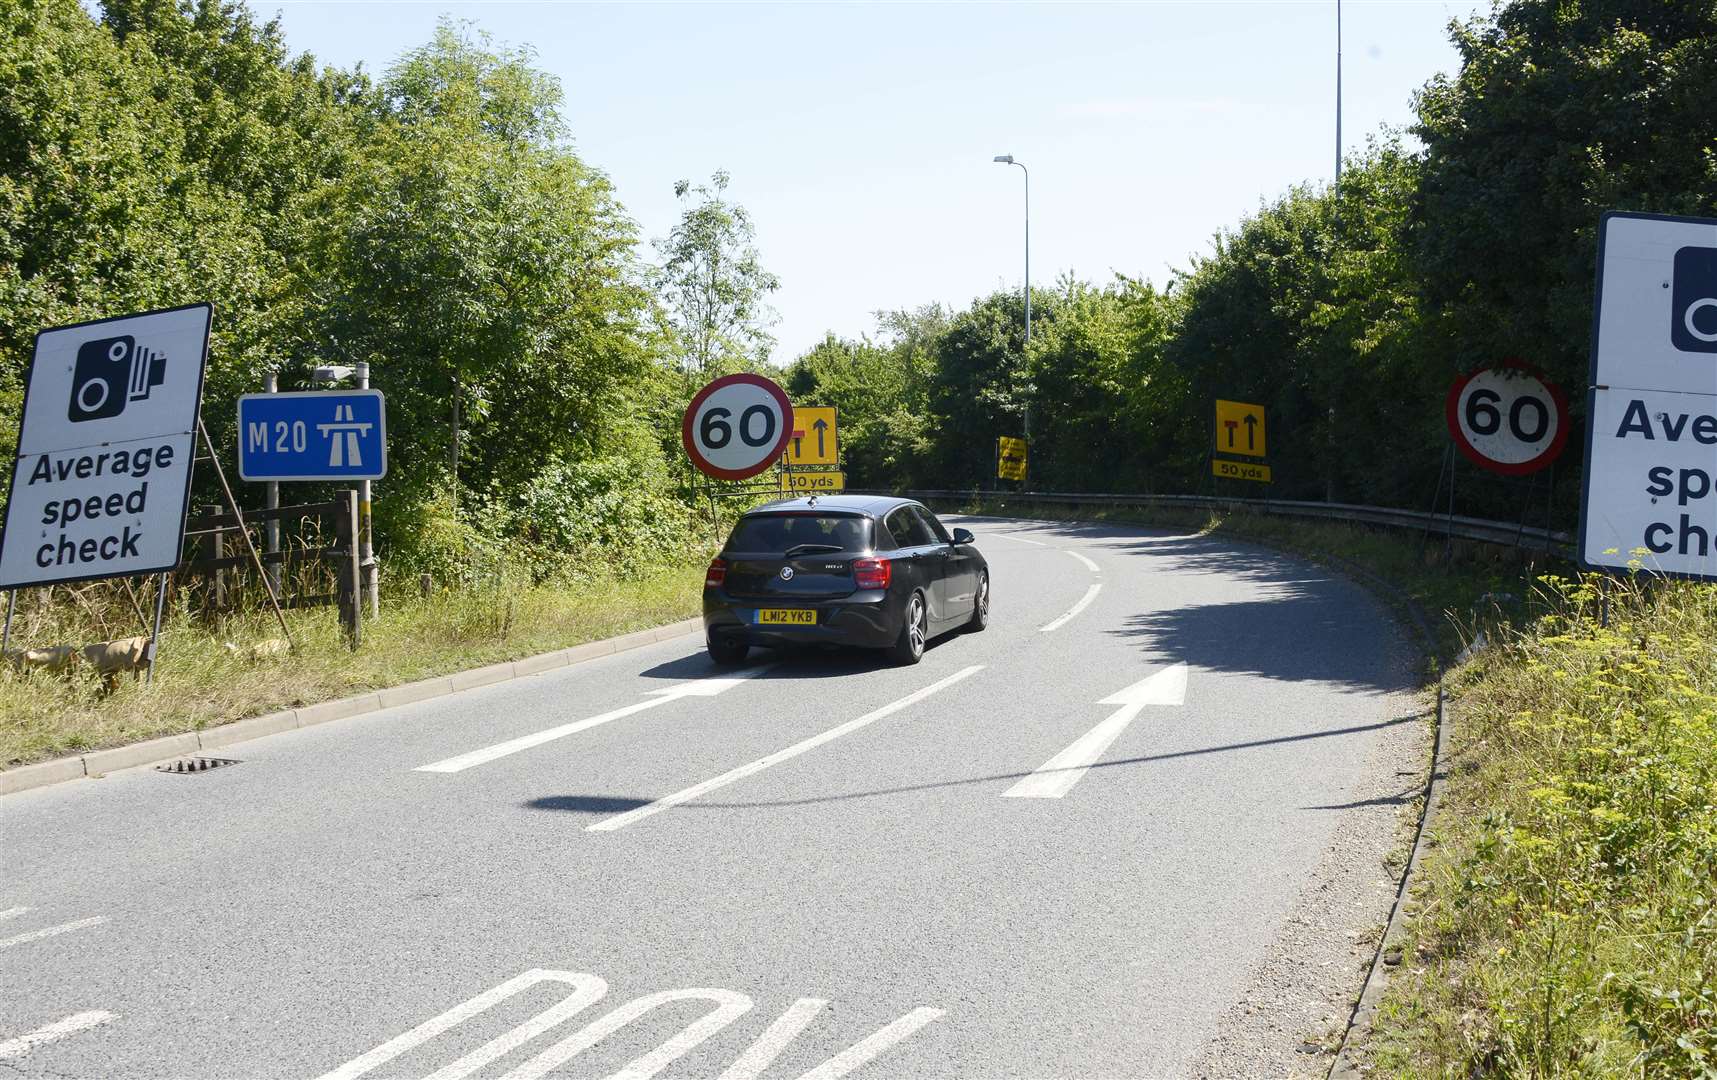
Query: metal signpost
(1650, 489)
(736, 428)
(102, 478)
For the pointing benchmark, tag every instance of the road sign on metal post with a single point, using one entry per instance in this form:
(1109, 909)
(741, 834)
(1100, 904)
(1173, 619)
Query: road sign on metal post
(1011, 458)
(1650, 490)
(313, 435)
(816, 439)
(102, 477)
(1508, 418)
(1240, 429)
(737, 426)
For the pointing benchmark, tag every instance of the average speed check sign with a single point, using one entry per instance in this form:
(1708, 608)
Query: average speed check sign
(1508, 418)
(737, 426)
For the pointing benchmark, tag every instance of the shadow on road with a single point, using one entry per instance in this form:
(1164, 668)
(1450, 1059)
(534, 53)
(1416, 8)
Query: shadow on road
(807, 662)
(605, 804)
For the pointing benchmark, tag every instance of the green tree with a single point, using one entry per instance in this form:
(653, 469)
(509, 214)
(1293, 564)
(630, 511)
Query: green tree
(713, 283)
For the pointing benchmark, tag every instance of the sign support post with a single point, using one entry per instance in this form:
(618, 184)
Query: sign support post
(6, 635)
(367, 554)
(271, 500)
(232, 503)
(155, 633)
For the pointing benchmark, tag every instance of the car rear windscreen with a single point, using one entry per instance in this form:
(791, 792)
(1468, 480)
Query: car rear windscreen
(776, 533)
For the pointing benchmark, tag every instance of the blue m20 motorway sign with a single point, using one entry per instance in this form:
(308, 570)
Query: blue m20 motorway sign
(315, 435)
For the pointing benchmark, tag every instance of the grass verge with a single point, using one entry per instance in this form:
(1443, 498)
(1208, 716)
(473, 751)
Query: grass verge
(200, 683)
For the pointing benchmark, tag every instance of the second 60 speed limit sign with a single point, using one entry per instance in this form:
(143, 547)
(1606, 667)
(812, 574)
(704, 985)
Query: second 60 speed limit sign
(737, 426)
(1508, 418)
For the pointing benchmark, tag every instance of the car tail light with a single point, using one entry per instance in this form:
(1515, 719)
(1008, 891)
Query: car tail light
(872, 573)
(716, 574)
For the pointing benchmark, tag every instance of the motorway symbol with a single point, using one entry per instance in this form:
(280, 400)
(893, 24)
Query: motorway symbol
(816, 439)
(586, 990)
(101, 482)
(1240, 470)
(1649, 498)
(1508, 418)
(313, 435)
(1057, 776)
(1240, 428)
(737, 426)
(1011, 458)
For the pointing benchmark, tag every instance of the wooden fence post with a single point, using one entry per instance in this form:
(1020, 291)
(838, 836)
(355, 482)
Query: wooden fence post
(350, 571)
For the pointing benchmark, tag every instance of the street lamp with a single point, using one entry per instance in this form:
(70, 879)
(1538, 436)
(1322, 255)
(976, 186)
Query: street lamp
(1008, 159)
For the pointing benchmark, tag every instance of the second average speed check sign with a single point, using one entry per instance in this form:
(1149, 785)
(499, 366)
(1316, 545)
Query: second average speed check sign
(737, 426)
(1508, 418)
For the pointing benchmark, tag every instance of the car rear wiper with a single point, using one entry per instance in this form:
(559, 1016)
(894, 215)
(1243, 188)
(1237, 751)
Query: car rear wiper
(806, 549)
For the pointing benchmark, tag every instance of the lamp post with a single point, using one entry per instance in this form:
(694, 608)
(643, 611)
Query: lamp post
(1008, 159)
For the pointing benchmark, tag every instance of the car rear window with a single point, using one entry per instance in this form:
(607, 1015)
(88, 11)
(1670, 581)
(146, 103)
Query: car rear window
(776, 533)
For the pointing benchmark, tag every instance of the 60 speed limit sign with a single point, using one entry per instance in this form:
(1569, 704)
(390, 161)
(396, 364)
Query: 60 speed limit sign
(737, 426)
(1508, 418)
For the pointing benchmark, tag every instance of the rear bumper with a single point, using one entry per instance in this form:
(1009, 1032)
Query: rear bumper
(866, 619)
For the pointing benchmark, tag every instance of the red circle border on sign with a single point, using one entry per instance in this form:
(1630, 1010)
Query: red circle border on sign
(1451, 413)
(769, 386)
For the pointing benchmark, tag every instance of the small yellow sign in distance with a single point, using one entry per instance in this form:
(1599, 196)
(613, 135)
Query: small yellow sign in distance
(1240, 428)
(815, 439)
(1240, 470)
(1010, 458)
(816, 483)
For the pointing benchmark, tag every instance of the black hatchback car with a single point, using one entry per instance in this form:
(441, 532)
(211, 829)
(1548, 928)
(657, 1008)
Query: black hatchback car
(871, 571)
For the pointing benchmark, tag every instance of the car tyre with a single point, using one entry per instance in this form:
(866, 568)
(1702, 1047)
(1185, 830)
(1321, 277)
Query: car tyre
(909, 647)
(728, 652)
(980, 606)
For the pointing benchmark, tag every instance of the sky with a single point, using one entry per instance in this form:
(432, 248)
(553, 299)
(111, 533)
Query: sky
(861, 136)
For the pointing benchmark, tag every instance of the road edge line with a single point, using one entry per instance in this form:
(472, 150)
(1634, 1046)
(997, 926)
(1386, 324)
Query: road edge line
(164, 748)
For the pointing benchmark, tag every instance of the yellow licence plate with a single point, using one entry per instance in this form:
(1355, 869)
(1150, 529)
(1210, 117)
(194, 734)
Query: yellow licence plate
(787, 616)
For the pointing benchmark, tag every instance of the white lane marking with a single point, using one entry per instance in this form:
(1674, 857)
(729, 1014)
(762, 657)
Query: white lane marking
(668, 801)
(729, 1006)
(1089, 565)
(762, 1053)
(698, 688)
(1057, 776)
(861, 1052)
(1084, 602)
(586, 989)
(37, 935)
(12, 913)
(13, 1049)
(1021, 539)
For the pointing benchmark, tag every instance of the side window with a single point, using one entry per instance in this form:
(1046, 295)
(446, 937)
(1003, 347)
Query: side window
(911, 530)
(933, 525)
(894, 532)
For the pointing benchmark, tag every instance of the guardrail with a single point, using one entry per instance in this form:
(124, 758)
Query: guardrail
(1450, 526)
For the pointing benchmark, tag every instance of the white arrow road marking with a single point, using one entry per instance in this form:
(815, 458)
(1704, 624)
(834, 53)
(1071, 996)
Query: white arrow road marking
(1057, 776)
(1089, 565)
(37, 935)
(861, 1052)
(13, 1049)
(726, 778)
(12, 913)
(1084, 602)
(769, 1045)
(653, 698)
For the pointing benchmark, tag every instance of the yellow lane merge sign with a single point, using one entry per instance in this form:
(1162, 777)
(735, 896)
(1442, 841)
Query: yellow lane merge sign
(1010, 458)
(816, 483)
(1239, 428)
(814, 439)
(1240, 470)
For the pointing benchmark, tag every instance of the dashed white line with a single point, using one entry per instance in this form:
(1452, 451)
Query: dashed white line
(12, 913)
(13, 1049)
(1089, 565)
(1084, 602)
(37, 935)
(696, 790)
(697, 688)
(1021, 539)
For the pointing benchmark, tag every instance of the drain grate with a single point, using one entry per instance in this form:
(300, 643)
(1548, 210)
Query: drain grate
(195, 764)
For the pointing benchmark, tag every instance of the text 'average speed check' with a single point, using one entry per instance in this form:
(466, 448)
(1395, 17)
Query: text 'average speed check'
(102, 476)
(1650, 497)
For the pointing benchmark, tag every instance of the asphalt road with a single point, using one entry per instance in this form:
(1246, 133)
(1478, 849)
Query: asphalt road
(858, 868)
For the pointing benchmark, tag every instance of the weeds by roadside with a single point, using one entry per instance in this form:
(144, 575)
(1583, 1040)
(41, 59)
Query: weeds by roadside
(201, 683)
